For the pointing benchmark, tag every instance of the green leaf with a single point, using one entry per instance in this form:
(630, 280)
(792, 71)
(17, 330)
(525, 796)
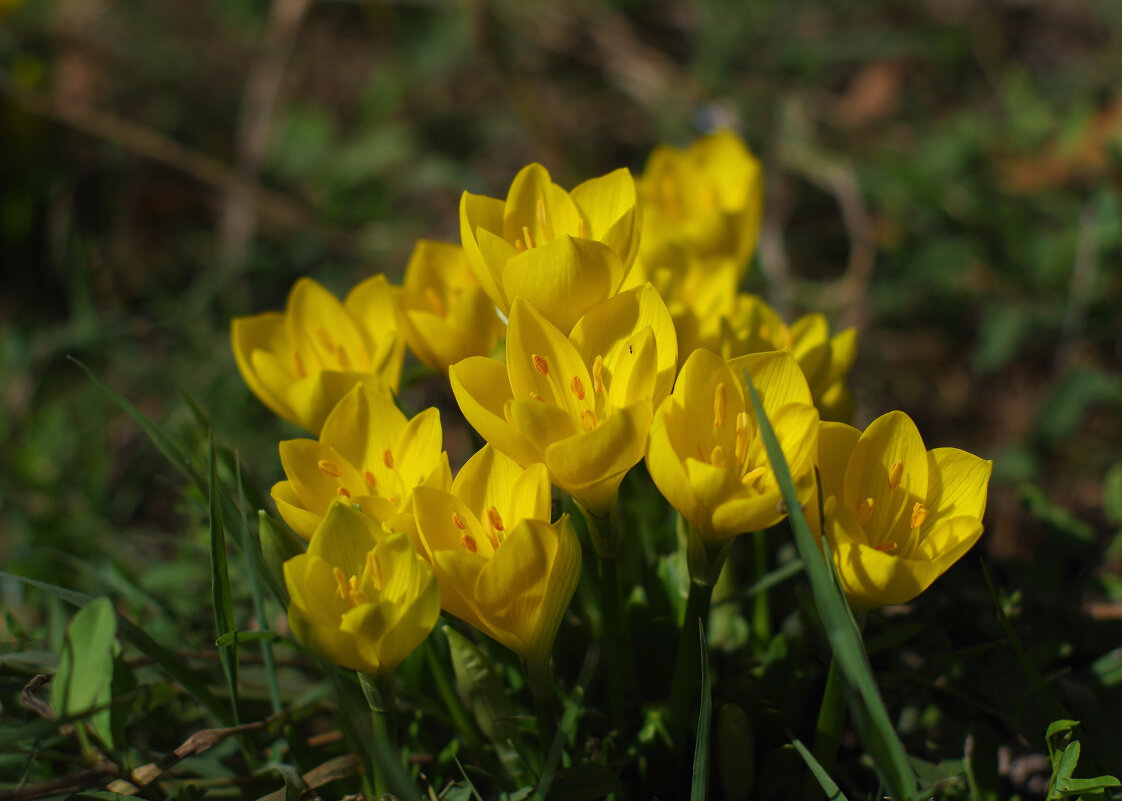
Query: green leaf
(221, 595)
(231, 637)
(84, 679)
(699, 787)
(171, 662)
(486, 697)
(828, 785)
(866, 705)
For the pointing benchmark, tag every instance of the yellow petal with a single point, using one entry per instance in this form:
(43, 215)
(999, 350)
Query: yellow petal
(330, 641)
(743, 514)
(957, 484)
(361, 427)
(776, 376)
(591, 465)
(482, 390)
(312, 589)
(418, 448)
(667, 469)
(536, 203)
(564, 278)
(710, 483)
(889, 439)
(541, 362)
(490, 478)
(835, 445)
(479, 213)
(542, 424)
(608, 206)
(319, 324)
(292, 510)
(344, 537)
(313, 486)
(695, 392)
(608, 328)
(263, 334)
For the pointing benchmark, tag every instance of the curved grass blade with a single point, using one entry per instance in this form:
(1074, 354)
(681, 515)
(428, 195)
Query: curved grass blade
(866, 705)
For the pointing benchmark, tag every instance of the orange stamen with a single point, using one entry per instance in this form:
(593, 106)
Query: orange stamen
(540, 364)
(330, 468)
(577, 388)
(919, 514)
(865, 511)
(895, 474)
(387, 458)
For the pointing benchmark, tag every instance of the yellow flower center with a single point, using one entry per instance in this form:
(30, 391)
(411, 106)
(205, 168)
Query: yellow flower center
(349, 589)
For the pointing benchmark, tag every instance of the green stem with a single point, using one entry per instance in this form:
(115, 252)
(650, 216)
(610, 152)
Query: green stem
(463, 723)
(379, 692)
(545, 704)
(687, 668)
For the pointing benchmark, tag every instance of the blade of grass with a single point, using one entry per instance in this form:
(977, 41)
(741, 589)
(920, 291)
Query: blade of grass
(221, 595)
(873, 723)
(828, 785)
(172, 663)
(252, 544)
(699, 788)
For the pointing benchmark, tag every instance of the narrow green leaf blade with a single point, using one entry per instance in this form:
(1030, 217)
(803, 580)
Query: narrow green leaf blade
(699, 788)
(828, 785)
(874, 725)
(221, 594)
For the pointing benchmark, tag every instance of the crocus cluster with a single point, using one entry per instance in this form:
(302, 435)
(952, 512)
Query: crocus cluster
(580, 331)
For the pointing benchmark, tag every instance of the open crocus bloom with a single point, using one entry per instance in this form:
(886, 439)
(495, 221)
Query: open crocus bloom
(897, 515)
(563, 252)
(579, 404)
(301, 362)
(445, 315)
(361, 596)
(708, 197)
(369, 453)
(706, 455)
(501, 565)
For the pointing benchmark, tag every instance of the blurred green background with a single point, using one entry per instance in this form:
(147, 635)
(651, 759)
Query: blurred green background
(945, 174)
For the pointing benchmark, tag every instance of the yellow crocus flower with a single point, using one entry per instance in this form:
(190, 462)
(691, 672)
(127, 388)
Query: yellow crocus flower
(501, 565)
(708, 197)
(752, 326)
(445, 315)
(361, 596)
(706, 455)
(897, 515)
(563, 252)
(300, 362)
(369, 453)
(579, 404)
